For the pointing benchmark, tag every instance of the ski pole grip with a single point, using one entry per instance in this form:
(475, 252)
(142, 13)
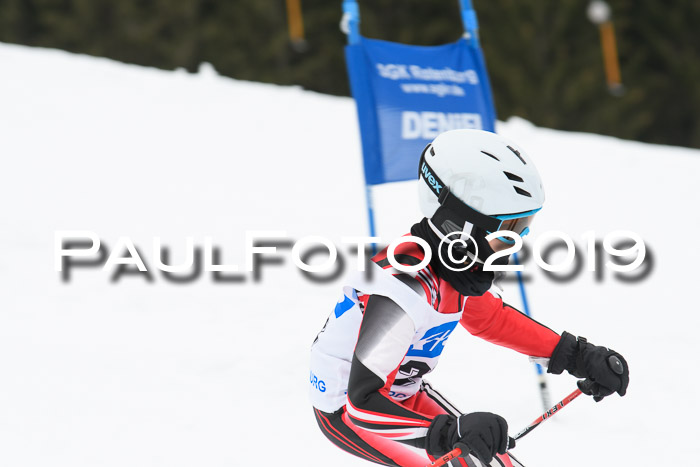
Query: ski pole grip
(586, 386)
(616, 365)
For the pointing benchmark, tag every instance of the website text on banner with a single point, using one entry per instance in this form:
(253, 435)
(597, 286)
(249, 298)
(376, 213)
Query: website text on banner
(406, 95)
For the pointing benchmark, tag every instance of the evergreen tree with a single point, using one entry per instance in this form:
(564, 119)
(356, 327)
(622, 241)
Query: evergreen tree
(543, 57)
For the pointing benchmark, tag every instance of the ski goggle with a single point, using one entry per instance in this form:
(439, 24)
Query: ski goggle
(517, 223)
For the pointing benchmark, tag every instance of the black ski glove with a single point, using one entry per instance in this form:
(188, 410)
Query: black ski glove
(480, 433)
(605, 370)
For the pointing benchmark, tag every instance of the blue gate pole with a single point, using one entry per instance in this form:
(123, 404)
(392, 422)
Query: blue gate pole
(541, 376)
(471, 26)
(350, 25)
(471, 34)
(370, 216)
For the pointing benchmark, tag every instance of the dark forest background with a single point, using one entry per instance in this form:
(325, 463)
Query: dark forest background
(544, 57)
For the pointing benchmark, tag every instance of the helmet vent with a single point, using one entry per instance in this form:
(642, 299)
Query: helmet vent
(520, 191)
(491, 156)
(513, 177)
(517, 153)
(432, 151)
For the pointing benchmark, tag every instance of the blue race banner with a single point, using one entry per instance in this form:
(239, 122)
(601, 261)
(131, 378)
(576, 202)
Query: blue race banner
(406, 95)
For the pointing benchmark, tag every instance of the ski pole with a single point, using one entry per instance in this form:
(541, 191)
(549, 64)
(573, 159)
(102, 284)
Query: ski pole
(457, 451)
(583, 386)
(548, 414)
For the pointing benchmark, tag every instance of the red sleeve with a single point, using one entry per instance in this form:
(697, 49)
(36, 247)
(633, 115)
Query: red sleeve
(489, 318)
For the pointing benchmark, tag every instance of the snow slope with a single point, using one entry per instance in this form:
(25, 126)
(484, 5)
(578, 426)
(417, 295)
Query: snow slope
(139, 373)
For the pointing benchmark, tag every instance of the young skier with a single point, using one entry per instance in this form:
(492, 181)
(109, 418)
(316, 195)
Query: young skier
(390, 327)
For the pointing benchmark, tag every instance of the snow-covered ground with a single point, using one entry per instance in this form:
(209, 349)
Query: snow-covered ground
(138, 373)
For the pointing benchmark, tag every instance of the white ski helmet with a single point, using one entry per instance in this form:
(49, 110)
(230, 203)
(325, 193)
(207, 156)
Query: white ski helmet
(475, 178)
